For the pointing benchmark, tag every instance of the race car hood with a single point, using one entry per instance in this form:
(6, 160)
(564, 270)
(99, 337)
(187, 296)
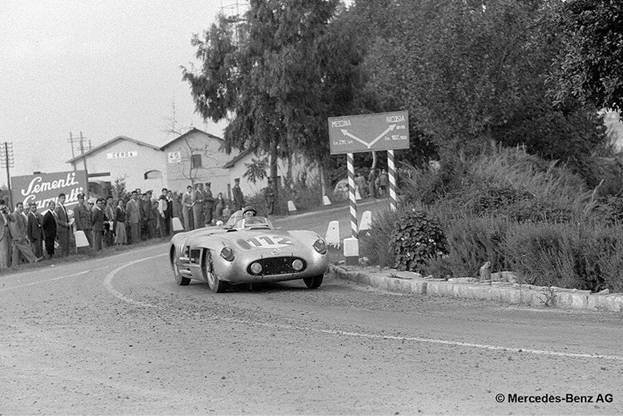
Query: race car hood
(274, 241)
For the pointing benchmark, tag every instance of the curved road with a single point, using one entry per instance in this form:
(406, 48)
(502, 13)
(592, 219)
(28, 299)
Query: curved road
(116, 336)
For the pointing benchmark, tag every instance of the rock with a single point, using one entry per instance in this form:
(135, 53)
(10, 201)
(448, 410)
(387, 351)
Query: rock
(485, 272)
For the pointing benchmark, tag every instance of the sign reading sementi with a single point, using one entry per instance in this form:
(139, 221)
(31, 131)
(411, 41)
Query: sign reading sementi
(372, 132)
(44, 187)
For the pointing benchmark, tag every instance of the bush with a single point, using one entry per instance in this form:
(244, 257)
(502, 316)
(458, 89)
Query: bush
(416, 239)
(374, 243)
(471, 242)
(544, 254)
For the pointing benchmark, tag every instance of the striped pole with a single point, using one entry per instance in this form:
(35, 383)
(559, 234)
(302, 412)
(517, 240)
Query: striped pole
(392, 179)
(350, 163)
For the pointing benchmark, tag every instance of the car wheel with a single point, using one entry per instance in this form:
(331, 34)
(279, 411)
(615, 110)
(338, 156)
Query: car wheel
(214, 283)
(313, 282)
(177, 275)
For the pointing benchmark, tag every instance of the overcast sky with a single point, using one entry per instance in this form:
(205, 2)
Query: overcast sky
(106, 68)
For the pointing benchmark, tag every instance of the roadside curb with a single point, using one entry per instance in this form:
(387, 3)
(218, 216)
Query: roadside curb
(498, 291)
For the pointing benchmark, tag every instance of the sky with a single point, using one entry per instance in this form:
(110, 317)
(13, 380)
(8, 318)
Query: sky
(103, 67)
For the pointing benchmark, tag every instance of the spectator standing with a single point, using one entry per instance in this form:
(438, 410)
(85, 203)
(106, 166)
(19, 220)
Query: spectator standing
(5, 235)
(18, 227)
(98, 219)
(154, 222)
(360, 182)
(208, 204)
(49, 228)
(82, 215)
(269, 197)
(133, 217)
(152, 216)
(120, 233)
(169, 212)
(372, 184)
(187, 205)
(63, 227)
(383, 183)
(219, 205)
(198, 206)
(176, 206)
(237, 195)
(35, 231)
(109, 231)
(163, 206)
(226, 212)
(145, 211)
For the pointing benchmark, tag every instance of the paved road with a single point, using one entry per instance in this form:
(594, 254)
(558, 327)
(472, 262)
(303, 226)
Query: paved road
(116, 336)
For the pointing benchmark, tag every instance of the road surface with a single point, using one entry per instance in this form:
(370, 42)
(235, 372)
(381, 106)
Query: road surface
(117, 336)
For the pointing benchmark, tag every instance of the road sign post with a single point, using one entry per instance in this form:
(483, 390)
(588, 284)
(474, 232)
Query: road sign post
(363, 133)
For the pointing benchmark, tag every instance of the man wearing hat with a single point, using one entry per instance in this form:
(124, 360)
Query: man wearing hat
(83, 217)
(208, 204)
(237, 195)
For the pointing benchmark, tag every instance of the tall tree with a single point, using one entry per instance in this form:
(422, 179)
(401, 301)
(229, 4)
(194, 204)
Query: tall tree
(590, 65)
(270, 75)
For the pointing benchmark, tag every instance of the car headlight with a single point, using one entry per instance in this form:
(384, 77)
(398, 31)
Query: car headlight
(227, 254)
(320, 246)
(256, 268)
(297, 265)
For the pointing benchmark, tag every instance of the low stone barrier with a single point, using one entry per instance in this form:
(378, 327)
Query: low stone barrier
(502, 289)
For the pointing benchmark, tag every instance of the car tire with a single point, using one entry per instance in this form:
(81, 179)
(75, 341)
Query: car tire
(179, 278)
(214, 283)
(313, 282)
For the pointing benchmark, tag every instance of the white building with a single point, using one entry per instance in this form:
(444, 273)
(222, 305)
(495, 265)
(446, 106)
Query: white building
(138, 164)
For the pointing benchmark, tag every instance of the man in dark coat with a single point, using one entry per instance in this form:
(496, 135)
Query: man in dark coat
(18, 227)
(237, 195)
(82, 215)
(97, 224)
(208, 204)
(49, 229)
(35, 232)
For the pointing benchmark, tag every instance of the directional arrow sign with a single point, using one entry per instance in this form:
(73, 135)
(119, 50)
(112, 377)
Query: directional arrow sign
(371, 132)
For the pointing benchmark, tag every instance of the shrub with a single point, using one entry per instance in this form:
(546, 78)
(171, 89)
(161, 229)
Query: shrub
(544, 254)
(374, 243)
(416, 238)
(472, 241)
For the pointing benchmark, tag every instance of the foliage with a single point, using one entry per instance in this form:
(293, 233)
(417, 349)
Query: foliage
(118, 189)
(472, 241)
(589, 65)
(415, 239)
(374, 243)
(256, 170)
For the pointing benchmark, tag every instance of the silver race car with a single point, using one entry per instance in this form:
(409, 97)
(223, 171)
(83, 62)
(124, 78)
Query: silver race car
(247, 249)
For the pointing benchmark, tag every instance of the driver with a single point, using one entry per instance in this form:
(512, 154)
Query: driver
(248, 212)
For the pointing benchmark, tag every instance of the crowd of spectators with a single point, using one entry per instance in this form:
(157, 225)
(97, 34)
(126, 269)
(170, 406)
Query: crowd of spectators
(29, 237)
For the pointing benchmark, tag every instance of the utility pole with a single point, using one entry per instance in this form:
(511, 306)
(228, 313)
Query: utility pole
(7, 160)
(84, 160)
(70, 140)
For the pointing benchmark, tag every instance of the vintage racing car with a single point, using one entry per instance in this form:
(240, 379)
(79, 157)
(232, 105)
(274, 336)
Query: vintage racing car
(247, 249)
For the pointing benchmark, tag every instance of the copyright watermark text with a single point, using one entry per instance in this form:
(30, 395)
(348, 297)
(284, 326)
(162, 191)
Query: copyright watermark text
(554, 398)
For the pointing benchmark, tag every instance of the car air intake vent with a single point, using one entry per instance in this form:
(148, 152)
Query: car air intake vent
(276, 266)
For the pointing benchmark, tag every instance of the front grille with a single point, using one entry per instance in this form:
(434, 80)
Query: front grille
(276, 266)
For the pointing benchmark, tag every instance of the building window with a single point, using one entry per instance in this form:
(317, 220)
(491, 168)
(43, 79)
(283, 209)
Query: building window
(153, 174)
(195, 161)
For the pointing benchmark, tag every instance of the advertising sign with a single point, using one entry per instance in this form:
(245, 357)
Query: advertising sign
(372, 132)
(44, 187)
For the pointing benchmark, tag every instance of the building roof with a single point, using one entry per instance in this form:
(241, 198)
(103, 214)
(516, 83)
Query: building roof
(236, 159)
(189, 132)
(108, 144)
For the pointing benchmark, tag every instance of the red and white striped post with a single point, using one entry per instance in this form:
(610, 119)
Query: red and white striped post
(350, 165)
(391, 169)
(351, 244)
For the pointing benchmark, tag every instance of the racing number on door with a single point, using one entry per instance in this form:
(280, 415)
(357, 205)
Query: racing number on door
(270, 241)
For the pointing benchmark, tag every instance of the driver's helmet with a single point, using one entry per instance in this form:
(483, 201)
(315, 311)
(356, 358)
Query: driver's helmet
(249, 209)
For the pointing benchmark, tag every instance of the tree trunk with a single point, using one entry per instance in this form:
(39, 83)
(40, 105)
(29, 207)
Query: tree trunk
(373, 160)
(273, 174)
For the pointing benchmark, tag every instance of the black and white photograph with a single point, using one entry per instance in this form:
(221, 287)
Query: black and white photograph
(311, 208)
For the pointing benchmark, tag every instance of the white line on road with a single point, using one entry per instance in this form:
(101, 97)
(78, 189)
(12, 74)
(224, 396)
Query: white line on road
(109, 287)
(44, 280)
(108, 282)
